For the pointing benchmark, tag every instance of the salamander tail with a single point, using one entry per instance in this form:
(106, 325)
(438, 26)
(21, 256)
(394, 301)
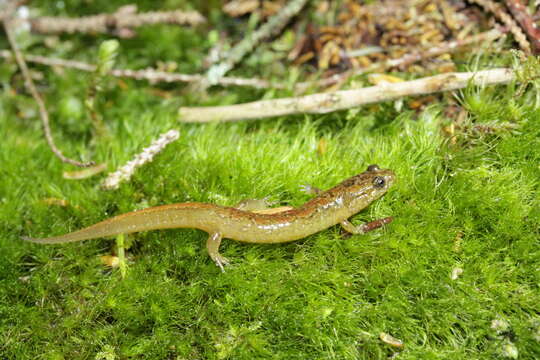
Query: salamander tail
(35, 240)
(50, 240)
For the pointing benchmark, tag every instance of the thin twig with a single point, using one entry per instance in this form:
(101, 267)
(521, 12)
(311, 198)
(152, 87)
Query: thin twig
(149, 74)
(272, 27)
(161, 76)
(119, 23)
(507, 20)
(345, 99)
(125, 172)
(29, 83)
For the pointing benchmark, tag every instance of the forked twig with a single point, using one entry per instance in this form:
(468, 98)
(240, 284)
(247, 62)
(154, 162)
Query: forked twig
(29, 83)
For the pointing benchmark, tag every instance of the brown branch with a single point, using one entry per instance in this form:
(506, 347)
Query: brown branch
(519, 11)
(29, 83)
(146, 74)
(345, 99)
(119, 23)
(507, 20)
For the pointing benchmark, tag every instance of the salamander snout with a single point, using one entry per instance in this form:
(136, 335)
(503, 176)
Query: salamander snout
(368, 186)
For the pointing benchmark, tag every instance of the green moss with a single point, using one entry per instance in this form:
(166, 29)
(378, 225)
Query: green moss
(322, 296)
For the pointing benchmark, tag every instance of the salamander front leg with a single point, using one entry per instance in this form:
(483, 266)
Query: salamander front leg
(212, 245)
(364, 228)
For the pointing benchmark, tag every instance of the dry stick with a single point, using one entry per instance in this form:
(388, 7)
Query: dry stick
(514, 28)
(526, 21)
(120, 22)
(407, 59)
(125, 172)
(272, 27)
(147, 74)
(29, 83)
(345, 99)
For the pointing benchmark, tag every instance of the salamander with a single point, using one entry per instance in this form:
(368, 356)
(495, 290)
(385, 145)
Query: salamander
(328, 208)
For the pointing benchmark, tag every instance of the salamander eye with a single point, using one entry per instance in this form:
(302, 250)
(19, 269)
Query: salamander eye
(373, 167)
(378, 182)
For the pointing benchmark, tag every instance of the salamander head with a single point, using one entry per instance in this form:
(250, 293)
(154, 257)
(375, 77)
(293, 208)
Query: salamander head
(368, 186)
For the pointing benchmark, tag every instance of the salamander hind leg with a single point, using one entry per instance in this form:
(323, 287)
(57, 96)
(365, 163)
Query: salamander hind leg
(212, 245)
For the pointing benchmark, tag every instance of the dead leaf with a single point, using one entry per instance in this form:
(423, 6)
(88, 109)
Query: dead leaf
(85, 173)
(109, 260)
(55, 202)
(377, 79)
(322, 146)
(456, 272)
(238, 8)
(390, 340)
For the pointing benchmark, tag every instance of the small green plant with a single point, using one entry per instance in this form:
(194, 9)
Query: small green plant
(527, 68)
(107, 53)
(120, 244)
